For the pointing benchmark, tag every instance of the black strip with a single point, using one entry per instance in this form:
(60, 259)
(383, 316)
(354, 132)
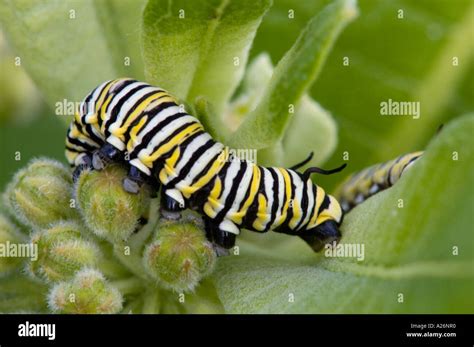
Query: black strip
(194, 157)
(70, 149)
(233, 192)
(142, 115)
(115, 92)
(275, 191)
(206, 168)
(289, 211)
(252, 211)
(78, 143)
(304, 205)
(149, 136)
(164, 123)
(113, 114)
(324, 204)
(90, 133)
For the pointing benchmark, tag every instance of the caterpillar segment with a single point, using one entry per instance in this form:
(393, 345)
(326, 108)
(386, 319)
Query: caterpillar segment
(143, 127)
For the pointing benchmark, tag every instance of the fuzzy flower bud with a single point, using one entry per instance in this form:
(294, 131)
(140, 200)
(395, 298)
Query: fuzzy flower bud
(179, 256)
(87, 292)
(9, 235)
(61, 252)
(41, 193)
(108, 210)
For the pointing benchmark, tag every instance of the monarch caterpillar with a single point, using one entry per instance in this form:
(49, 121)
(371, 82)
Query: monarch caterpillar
(143, 126)
(368, 182)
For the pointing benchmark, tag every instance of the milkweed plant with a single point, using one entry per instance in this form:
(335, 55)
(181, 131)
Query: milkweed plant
(91, 247)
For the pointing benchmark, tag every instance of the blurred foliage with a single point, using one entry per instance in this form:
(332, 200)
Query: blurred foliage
(400, 50)
(407, 59)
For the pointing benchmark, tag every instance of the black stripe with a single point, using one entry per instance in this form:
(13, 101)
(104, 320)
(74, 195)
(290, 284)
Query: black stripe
(78, 143)
(85, 103)
(116, 91)
(289, 211)
(388, 180)
(409, 162)
(113, 114)
(175, 133)
(275, 191)
(233, 192)
(141, 116)
(206, 168)
(199, 198)
(188, 166)
(137, 103)
(149, 136)
(247, 193)
(70, 149)
(324, 204)
(92, 135)
(251, 214)
(155, 112)
(304, 205)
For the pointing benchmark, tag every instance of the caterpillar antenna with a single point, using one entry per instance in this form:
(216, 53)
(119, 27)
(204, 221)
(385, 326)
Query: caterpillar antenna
(318, 170)
(304, 162)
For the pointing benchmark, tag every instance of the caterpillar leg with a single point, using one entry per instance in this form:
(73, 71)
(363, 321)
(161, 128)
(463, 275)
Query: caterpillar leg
(133, 181)
(172, 200)
(221, 239)
(172, 203)
(106, 154)
(85, 165)
(325, 233)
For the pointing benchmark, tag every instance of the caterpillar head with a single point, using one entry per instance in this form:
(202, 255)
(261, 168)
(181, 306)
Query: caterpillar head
(326, 229)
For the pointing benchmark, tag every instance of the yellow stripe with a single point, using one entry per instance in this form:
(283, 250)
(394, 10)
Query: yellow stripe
(297, 212)
(170, 166)
(287, 182)
(148, 160)
(132, 116)
(134, 133)
(102, 113)
(212, 200)
(261, 214)
(212, 172)
(101, 98)
(237, 217)
(320, 194)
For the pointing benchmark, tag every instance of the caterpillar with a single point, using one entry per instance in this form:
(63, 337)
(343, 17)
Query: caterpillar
(143, 126)
(368, 182)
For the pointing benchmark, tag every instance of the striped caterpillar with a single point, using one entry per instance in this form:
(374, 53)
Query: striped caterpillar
(362, 185)
(143, 126)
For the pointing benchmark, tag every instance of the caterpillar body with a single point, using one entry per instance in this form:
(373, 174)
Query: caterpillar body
(143, 126)
(362, 185)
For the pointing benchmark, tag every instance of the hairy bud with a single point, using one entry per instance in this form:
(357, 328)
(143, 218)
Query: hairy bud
(179, 255)
(41, 193)
(61, 252)
(108, 210)
(87, 292)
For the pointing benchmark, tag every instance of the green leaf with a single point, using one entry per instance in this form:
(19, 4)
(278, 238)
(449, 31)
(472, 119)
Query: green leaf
(293, 75)
(213, 124)
(307, 120)
(405, 59)
(68, 46)
(423, 251)
(199, 48)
